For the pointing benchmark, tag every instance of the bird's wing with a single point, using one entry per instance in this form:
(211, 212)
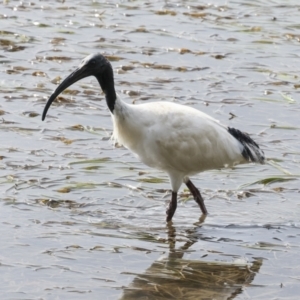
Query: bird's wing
(182, 138)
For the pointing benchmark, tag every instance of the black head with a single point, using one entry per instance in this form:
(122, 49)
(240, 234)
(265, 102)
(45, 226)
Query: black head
(93, 65)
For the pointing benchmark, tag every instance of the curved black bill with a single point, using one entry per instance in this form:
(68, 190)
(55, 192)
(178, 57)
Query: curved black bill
(78, 74)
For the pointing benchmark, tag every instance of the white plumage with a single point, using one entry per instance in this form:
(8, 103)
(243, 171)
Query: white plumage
(177, 139)
(174, 138)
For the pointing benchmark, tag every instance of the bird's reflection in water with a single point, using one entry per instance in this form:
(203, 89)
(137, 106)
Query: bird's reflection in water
(173, 277)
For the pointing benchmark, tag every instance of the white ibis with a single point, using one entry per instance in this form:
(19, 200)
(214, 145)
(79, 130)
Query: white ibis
(177, 139)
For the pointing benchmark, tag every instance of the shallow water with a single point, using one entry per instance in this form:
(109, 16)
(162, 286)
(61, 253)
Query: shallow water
(81, 218)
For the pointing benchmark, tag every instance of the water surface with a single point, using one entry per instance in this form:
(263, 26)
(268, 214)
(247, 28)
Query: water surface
(81, 218)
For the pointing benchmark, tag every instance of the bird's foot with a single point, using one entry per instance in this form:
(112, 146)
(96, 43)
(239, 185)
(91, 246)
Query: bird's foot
(172, 207)
(197, 196)
(170, 212)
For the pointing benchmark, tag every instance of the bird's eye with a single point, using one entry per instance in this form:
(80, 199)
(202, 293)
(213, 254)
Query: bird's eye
(93, 62)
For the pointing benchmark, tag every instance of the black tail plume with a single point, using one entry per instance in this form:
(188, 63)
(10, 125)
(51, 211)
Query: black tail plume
(251, 150)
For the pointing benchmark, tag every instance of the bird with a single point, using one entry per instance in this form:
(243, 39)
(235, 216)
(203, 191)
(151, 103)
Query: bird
(177, 139)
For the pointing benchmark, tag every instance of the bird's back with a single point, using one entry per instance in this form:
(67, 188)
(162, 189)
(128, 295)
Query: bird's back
(170, 136)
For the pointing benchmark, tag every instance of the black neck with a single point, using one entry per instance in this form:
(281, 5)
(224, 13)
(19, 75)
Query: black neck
(106, 81)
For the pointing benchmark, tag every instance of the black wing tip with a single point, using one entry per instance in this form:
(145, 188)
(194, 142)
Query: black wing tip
(251, 151)
(243, 137)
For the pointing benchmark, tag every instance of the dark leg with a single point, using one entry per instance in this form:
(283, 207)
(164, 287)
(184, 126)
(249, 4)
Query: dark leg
(197, 196)
(172, 207)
